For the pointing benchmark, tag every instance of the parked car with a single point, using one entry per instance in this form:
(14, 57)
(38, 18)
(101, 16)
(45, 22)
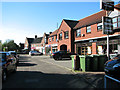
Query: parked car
(59, 55)
(112, 67)
(8, 64)
(31, 53)
(15, 55)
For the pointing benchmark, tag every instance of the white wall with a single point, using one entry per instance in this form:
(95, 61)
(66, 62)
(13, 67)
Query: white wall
(114, 13)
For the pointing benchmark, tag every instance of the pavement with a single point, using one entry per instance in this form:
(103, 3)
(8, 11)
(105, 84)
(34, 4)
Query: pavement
(95, 79)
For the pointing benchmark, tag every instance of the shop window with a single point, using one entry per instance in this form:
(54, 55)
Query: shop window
(78, 33)
(52, 38)
(60, 36)
(66, 34)
(84, 51)
(99, 26)
(88, 29)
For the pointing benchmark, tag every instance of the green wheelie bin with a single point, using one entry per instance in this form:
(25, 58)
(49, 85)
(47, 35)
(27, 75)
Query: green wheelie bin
(85, 62)
(94, 62)
(101, 61)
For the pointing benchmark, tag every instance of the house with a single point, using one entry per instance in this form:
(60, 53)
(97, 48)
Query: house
(63, 37)
(39, 43)
(52, 45)
(27, 45)
(36, 44)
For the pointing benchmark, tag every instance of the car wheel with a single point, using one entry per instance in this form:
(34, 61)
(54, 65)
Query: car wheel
(55, 58)
(60, 58)
(4, 76)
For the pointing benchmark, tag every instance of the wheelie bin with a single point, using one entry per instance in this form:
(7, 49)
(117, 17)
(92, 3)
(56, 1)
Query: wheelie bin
(94, 62)
(85, 62)
(101, 61)
(75, 62)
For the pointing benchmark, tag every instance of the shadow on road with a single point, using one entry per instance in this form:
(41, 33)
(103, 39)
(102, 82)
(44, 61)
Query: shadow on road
(34, 79)
(26, 64)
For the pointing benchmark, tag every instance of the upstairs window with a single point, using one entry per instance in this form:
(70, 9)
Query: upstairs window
(78, 33)
(88, 29)
(60, 36)
(115, 22)
(52, 38)
(99, 26)
(66, 34)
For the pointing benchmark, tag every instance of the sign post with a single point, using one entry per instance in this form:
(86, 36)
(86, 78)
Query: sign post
(107, 5)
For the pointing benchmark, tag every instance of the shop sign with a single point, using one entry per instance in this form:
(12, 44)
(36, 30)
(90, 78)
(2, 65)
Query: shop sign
(107, 5)
(107, 25)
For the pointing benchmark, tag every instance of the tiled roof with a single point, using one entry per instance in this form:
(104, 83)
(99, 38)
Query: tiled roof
(54, 33)
(118, 6)
(30, 40)
(93, 19)
(37, 40)
(71, 23)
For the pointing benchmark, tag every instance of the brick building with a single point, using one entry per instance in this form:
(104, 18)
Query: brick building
(63, 37)
(89, 38)
(36, 44)
(39, 43)
(27, 45)
(85, 36)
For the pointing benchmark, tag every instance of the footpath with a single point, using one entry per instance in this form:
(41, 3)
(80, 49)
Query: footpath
(95, 79)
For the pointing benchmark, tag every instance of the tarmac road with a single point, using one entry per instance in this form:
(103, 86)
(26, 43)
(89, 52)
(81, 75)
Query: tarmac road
(36, 72)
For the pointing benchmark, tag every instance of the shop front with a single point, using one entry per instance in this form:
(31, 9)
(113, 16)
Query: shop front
(54, 47)
(98, 46)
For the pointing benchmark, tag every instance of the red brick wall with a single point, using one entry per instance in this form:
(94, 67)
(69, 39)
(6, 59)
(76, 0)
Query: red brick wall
(94, 48)
(94, 33)
(63, 28)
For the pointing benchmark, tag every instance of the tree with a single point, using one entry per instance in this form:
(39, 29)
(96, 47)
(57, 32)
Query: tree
(10, 46)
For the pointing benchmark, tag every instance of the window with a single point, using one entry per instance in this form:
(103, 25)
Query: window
(66, 34)
(60, 36)
(99, 26)
(115, 22)
(52, 38)
(88, 29)
(78, 33)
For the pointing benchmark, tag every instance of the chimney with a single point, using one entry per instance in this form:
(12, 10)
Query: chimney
(50, 32)
(35, 36)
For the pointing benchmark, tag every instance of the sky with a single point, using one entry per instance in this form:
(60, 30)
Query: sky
(27, 19)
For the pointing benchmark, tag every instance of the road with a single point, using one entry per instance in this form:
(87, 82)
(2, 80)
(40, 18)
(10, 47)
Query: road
(44, 72)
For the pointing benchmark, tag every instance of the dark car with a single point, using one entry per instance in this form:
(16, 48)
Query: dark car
(112, 67)
(31, 53)
(15, 55)
(8, 64)
(59, 55)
